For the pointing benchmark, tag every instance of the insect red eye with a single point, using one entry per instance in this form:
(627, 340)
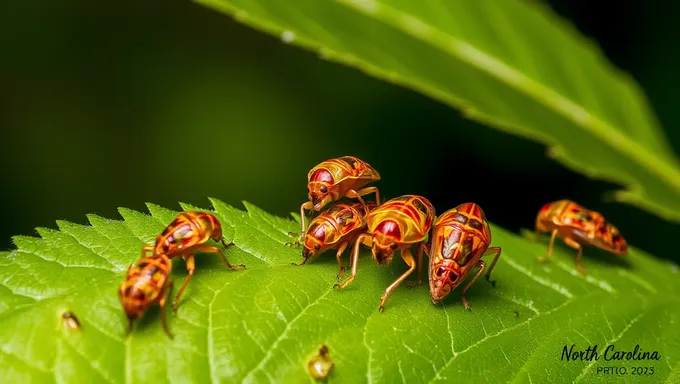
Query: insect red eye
(323, 189)
(440, 271)
(394, 245)
(317, 246)
(453, 277)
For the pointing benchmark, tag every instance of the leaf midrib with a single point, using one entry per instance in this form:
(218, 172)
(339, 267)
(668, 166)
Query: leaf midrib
(561, 105)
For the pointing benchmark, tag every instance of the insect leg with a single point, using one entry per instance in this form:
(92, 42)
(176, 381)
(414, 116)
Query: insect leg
(191, 267)
(210, 249)
(482, 265)
(367, 241)
(168, 290)
(421, 248)
(147, 250)
(550, 247)
(338, 257)
(354, 261)
(408, 258)
(366, 191)
(303, 226)
(352, 194)
(572, 243)
(227, 245)
(426, 247)
(304, 261)
(489, 251)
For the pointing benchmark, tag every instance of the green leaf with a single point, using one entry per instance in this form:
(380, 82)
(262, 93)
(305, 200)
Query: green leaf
(513, 65)
(260, 325)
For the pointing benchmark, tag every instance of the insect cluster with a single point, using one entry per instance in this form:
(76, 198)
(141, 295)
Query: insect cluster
(148, 281)
(455, 242)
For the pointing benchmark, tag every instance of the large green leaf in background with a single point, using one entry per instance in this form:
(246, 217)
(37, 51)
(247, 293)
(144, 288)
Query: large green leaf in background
(511, 64)
(259, 325)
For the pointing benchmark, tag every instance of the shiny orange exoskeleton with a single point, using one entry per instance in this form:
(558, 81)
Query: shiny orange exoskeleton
(577, 225)
(396, 225)
(186, 235)
(334, 179)
(461, 236)
(147, 282)
(335, 228)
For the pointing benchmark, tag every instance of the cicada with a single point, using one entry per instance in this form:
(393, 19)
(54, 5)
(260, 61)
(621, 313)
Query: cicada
(578, 225)
(335, 228)
(185, 236)
(460, 237)
(334, 179)
(146, 283)
(397, 225)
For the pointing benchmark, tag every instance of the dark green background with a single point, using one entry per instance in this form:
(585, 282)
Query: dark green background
(117, 104)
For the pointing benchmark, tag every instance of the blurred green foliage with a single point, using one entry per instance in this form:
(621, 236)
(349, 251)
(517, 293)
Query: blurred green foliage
(115, 104)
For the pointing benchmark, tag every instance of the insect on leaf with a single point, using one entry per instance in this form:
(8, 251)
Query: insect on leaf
(513, 65)
(260, 325)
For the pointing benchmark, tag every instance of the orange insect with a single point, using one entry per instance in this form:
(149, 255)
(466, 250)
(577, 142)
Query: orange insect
(335, 228)
(147, 282)
(336, 178)
(396, 225)
(577, 225)
(186, 235)
(461, 236)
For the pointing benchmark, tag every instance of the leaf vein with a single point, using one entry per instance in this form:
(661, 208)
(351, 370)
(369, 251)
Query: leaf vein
(95, 367)
(499, 333)
(625, 329)
(540, 280)
(602, 284)
(283, 335)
